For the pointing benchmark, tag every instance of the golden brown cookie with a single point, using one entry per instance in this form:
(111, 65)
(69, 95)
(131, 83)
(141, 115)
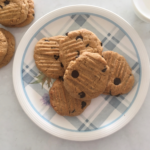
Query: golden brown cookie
(76, 42)
(87, 76)
(3, 46)
(63, 103)
(30, 15)
(121, 79)
(13, 12)
(11, 47)
(46, 55)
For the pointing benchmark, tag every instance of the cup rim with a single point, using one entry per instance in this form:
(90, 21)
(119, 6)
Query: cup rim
(139, 13)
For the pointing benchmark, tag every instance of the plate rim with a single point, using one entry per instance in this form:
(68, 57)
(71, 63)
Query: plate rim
(55, 11)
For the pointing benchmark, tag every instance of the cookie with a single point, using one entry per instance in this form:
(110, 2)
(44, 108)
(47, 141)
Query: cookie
(121, 79)
(46, 55)
(11, 47)
(30, 15)
(3, 46)
(87, 76)
(77, 42)
(63, 103)
(13, 12)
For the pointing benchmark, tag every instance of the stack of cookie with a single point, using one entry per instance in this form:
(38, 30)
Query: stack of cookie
(7, 47)
(81, 70)
(16, 13)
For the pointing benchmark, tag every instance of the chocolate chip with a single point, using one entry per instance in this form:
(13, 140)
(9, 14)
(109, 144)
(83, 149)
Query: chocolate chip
(61, 78)
(110, 93)
(1, 6)
(87, 45)
(73, 111)
(101, 44)
(47, 40)
(104, 69)
(79, 37)
(117, 95)
(75, 74)
(56, 57)
(117, 81)
(6, 2)
(82, 94)
(62, 65)
(83, 104)
(33, 14)
(78, 54)
(130, 74)
(67, 33)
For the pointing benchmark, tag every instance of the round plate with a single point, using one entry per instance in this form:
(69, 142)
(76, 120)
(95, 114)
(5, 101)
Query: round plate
(106, 114)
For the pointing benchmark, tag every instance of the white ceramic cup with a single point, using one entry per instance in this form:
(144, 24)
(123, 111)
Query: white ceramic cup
(142, 9)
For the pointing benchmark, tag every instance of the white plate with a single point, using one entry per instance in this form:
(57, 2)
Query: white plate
(106, 114)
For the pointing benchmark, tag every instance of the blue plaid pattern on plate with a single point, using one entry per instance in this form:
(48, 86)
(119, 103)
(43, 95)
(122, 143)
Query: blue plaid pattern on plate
(105, 109)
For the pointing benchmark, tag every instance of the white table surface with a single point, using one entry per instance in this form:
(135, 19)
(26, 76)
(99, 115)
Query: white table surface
(18, 132)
